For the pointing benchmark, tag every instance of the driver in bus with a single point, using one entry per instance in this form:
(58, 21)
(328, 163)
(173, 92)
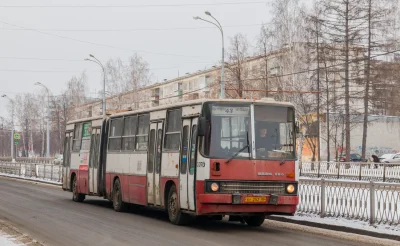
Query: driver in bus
(263, 142)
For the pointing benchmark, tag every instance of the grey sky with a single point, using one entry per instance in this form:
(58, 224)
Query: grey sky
(190, 49)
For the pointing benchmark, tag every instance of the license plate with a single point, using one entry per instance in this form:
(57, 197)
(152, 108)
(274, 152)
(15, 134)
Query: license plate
(255, 199)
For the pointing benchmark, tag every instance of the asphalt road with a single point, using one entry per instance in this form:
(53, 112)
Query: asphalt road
(50, 216)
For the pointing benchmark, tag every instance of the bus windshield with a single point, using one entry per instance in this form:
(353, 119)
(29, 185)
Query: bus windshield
(229, 131)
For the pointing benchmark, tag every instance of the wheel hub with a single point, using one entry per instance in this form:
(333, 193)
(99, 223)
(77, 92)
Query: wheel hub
(173, 205)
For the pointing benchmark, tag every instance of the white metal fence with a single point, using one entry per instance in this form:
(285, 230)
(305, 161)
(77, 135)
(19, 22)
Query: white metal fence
(40, 171)
(381, 172)
(376, 202)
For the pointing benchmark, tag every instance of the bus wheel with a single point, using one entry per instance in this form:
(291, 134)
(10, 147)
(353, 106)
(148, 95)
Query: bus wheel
(118, 204)
(256, 220)
(76, 197)
(174, 212)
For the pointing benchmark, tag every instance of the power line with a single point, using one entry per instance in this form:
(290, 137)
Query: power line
(130, 30)
(92, 43)
(82, 60)
(133, 6)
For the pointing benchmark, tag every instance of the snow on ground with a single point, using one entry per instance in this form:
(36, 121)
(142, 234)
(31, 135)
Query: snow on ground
(354, 224)
(30, 178)
(7, 240)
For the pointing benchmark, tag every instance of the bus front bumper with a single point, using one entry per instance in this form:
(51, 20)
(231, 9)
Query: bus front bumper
(228, 204)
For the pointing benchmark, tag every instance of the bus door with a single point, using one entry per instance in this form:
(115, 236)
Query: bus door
(188, 164)
(154, 164)
(66, 178)
(94, 157)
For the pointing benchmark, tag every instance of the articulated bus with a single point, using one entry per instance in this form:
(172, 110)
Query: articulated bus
(206, 158)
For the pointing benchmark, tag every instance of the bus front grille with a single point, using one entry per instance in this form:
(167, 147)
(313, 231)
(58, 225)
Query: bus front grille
(252, 188)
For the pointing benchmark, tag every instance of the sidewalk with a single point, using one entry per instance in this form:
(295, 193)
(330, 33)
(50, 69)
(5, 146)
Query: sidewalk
(343, 225)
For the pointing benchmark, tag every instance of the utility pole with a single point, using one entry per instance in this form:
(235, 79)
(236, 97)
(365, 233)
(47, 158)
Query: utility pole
(218, 25)
(97, 61)
(12, 126)
(48, 119)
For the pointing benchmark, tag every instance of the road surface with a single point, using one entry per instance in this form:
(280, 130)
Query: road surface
(50, 216)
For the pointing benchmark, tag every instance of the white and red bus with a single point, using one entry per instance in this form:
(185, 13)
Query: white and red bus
(195, 158)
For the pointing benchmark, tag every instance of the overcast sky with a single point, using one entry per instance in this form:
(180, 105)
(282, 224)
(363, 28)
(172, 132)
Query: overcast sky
(49, 44)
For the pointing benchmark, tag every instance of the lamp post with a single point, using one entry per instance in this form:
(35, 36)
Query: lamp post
(48, 118)
(97, 61)
(12, 126)
(218, 25)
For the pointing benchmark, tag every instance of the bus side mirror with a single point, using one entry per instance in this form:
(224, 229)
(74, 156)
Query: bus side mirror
(201, 131)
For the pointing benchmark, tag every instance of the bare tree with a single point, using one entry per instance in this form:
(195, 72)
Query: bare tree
(131, 77)
(265, 46)
(343, 25)
(237, 68)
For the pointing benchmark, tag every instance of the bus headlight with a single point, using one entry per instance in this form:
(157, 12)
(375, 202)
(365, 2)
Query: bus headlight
(214, 187)
(290, 188)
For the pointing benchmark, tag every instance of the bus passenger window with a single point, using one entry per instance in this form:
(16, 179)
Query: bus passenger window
(115, 134)
(128, 138)
(184, 150)
(172, 133)
(143, 132)
(193, 150)
(76, 146)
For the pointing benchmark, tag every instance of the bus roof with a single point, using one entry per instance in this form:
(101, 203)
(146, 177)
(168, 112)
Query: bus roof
(85, 119)
(268, 101)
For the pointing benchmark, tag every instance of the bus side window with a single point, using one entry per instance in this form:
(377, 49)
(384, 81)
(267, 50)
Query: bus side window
(193, 150)
(173, 129)
(128, 138)
(142, 136)
(114, 143)
(184, 150)
(77, 138)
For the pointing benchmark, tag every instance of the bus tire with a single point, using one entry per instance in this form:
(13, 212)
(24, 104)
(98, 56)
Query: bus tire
(76, 197)
(118, 204)
(254, 221)
(174, 212)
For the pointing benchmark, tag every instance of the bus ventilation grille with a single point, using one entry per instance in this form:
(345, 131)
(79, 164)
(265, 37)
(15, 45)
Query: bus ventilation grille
(252, 188)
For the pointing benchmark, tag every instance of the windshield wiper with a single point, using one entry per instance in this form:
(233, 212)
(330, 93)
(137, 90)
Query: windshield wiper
(247, 146)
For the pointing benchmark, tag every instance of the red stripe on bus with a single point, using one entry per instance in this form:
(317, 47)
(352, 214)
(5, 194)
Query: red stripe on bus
(252, 170)
(137, 189)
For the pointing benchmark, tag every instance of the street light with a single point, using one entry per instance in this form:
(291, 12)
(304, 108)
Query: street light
(48, 118)
(12, 126)
(104, 80)
(218, 25)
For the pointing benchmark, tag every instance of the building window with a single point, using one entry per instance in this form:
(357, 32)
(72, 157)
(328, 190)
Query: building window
(114, 143)
(173, 130)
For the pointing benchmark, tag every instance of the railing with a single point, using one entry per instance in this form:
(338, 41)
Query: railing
(29, 159)
(376, 202)
(40, 171)
(380, 172)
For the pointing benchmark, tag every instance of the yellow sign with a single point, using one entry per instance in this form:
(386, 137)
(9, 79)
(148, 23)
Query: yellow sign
(17, 136)
(254, 199)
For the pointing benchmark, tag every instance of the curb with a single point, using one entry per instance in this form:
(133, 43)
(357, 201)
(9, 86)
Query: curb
(31, 180)
(336, 228)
